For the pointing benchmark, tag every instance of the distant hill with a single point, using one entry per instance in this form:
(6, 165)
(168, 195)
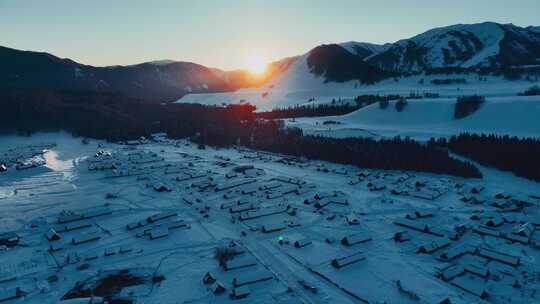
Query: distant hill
(159, 80)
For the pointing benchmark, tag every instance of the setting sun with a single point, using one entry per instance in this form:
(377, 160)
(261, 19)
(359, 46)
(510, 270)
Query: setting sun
(256, 64)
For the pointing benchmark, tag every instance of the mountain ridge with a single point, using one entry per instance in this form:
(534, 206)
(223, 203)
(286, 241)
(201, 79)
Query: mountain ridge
(479, 45)
(486, 45)
(155, 80)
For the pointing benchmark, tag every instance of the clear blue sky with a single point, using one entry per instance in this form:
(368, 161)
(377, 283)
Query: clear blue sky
(223, 33)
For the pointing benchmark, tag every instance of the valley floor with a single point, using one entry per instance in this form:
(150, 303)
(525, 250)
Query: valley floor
(303, 231)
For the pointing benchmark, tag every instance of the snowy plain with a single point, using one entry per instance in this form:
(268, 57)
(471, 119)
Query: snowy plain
(174, 177)
(425, 118)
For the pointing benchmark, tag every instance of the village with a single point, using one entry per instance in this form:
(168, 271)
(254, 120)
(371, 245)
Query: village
(167, 221)
(24, 157)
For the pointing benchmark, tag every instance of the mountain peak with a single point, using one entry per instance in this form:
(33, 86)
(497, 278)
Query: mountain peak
(360, 48)
(486, 44)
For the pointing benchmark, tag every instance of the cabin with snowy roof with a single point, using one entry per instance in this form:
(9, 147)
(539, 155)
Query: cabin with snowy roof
(347, 260)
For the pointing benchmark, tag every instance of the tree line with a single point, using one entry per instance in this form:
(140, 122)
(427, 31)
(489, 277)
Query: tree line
(336, 107)
(309, 111)
(392, 154)
(518, 155)
(531, 91)
(116, 117)
(466, 105)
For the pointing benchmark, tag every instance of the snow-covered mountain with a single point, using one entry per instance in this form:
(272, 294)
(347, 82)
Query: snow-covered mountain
(330, 63)
(468, 46)
(340, 63)
(465, 46)
(364, 49)
(485, 44)
(343, 71)
(295, 80)
(349, 65)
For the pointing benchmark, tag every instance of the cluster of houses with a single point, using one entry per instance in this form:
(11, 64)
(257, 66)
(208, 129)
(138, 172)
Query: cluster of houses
(126, 162)
(328, 200)
(402, 184)
(475, 254)
(158, 225)
(268, 157)
(9, 239)
(418, 188)
(246, 197)
(270, 205)
(140, 141)
(489, 245)
(267, 205)
(238, 272)
(467, 262)
(24, 157)
(73, 230)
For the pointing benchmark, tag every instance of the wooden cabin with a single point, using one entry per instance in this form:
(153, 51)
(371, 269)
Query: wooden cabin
(354, 239)
(347, 260)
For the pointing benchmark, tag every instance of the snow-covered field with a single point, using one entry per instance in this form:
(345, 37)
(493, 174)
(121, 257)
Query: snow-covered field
(310, 231)
(425, 118)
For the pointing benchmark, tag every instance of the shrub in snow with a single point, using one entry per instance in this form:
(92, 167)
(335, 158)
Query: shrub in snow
(466, 105)
(415, 95)
(532, 91)
(224, 254)
(431, 95)
(156, 279)
(449, 81)
(400, 104)
(412, 295)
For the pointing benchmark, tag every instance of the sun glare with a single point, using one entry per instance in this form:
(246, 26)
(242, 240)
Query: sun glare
(256, 64)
